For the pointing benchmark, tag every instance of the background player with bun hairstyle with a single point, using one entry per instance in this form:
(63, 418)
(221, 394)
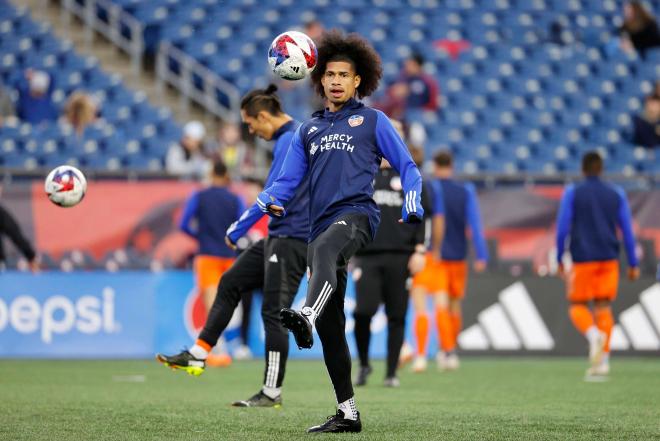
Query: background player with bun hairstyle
(275, 264)
(340, 150)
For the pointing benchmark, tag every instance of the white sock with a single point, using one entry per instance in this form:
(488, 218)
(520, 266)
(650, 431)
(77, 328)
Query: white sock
(349, 409)
(199, 352)
(606, 358)
(592, 334)
(271, 392)
(310, 314)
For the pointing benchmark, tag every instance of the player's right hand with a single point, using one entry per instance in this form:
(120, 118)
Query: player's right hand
(276, 210)
(34, 265)
(416, 263)
(270, 205)
(633, 273)
(560, 270)
(229, 243)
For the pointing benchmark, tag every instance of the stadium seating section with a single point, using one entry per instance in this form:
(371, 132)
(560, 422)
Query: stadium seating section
(132, 134)
(516, 101)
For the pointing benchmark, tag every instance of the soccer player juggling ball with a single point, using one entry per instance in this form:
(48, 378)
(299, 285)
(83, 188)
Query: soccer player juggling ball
(341, 149)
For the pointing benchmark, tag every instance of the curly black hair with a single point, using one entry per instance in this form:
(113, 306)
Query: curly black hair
(353, 48)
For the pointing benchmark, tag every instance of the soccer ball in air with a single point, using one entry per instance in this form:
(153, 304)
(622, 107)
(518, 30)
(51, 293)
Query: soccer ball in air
(65, 186)
(292, 55)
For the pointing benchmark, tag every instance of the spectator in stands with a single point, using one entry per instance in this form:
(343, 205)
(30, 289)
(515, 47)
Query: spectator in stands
(413, 90)
(9, 227)
(187, 159)
(640, 29)
(313, 29)
(35, 104)
(656, 89)
(646, 125)
(80, 111)
(6, 105)
(231, 148)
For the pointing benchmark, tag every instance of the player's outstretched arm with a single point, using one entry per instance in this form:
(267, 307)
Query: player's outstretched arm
(395, 151)
(564, 220)
(189, 212)
(252, 215)
(273, 198)
(625, 224)
(476, 227)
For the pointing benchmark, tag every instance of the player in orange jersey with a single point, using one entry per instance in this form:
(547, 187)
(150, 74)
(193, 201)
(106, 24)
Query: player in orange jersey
(446, 273)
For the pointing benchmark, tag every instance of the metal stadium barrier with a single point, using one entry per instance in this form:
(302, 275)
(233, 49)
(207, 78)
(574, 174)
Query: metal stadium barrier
(131, 42)
(193, 80)
(196, 82)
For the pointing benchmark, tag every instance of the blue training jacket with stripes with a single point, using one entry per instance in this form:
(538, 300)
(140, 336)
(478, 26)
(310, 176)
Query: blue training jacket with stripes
(296, 224)
(341, 151)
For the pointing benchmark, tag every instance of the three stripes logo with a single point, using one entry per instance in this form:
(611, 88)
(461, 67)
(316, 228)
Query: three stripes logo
(636, 324)
(513, 323)
(411, 206)
(323, 297)
(273, 369)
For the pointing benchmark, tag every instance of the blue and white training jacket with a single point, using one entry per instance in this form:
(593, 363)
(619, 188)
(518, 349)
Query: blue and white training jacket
(296, 224)
(342, 151)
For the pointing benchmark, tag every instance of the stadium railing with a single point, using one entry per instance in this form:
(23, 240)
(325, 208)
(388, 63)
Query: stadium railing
(130, 42)
(196, 82)
(192, 79)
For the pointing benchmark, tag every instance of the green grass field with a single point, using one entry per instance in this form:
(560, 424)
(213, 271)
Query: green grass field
(488, 399)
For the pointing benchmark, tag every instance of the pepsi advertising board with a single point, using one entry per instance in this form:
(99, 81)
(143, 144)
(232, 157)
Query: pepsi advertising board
(137, 314)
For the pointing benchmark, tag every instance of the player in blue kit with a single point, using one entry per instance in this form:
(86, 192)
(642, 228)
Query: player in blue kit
(589, 215)
(340, 150)
(275, 264)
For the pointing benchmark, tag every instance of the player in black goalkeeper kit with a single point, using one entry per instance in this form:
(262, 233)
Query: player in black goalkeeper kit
(340, 150)
(382, 269)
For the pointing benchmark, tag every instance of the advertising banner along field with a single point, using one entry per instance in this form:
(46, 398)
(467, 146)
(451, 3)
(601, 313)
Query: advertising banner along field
(142, 217)
(98, 314)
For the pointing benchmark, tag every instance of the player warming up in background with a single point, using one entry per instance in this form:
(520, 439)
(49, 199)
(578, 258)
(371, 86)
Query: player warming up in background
(382, 269)
(340, 149)
(206, 216)
(461, 209)
(589, 214)
(275, 264)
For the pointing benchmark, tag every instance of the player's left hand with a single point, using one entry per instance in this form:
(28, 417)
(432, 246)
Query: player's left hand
(479, 266)
(416, 263)
(413, 218)
(229, 243)
(633, 273)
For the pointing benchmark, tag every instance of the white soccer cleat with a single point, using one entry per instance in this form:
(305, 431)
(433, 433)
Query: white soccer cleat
(419, 364)
(452, 362)
(597, 349)
(601, 370)
(243, 352)
(407, 353)
(441, 360)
